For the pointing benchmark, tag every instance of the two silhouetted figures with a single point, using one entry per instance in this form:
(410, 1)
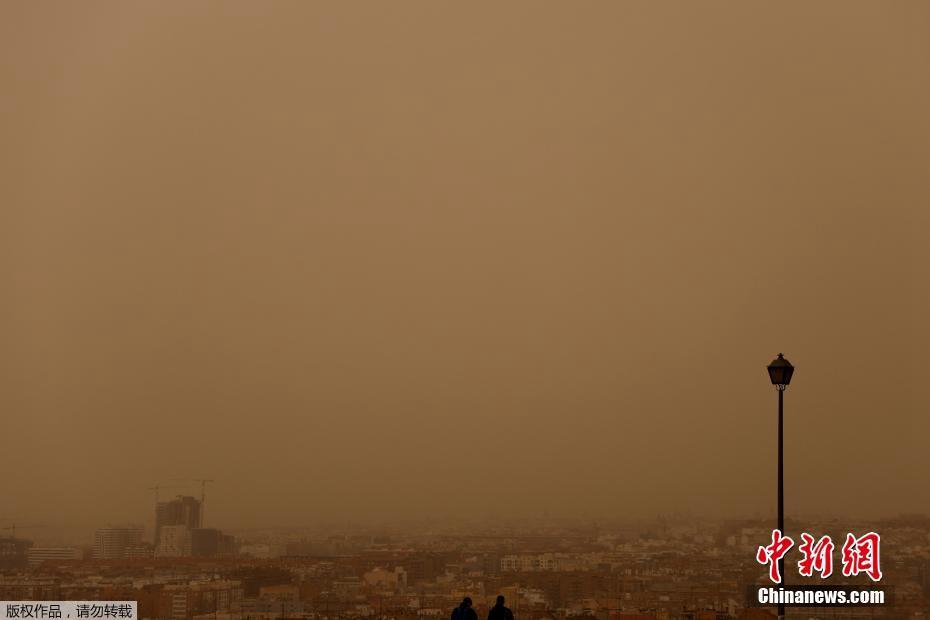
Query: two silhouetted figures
(465, 612)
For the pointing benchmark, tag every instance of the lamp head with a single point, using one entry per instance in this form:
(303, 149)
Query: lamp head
(780, 371)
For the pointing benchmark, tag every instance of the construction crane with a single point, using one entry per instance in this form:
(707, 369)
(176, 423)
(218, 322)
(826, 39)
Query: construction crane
(12, 528)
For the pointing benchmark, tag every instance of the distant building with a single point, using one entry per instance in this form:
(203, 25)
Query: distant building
(13, 552)
(117, 543)
(209, 542)
(280, 592)
(260, 550)
(529, 563)
(140, 551)
(183, 510)
(184, 601)
(174, 542)
(37, 555)
(382, 577)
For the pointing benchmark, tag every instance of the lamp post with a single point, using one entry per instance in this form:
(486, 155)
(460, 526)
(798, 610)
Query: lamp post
(780, 371)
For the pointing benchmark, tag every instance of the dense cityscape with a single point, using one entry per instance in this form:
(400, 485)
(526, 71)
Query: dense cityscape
(665, 568)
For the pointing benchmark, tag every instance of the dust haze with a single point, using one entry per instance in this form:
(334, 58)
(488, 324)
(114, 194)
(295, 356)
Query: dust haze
(391, 261)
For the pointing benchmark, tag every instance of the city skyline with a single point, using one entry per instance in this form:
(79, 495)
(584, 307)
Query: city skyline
(662, 569)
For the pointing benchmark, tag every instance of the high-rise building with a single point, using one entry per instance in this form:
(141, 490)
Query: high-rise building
(38, 555)
(13, 552)
(183, 510)
(209, 542)
(174, 542)
(117, 543)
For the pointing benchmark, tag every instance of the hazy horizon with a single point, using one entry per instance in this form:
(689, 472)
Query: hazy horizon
(370, 261)
(50, 533)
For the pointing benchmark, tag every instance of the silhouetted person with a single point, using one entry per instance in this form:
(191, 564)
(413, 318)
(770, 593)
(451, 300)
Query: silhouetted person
(499, 612)
(464, 611)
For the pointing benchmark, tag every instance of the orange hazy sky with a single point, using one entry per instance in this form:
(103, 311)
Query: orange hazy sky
(379, 260)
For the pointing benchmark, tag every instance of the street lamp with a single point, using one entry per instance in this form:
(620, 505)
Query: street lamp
(780, 371)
